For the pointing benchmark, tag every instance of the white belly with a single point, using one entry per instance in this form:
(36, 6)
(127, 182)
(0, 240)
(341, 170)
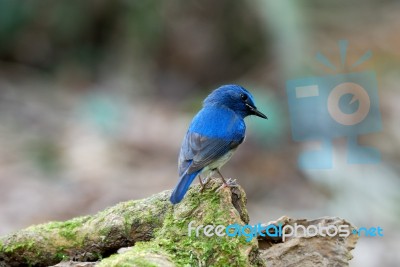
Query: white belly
(218, 163)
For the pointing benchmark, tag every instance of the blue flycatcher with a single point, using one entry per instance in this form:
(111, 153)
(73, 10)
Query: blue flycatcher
(213, 135)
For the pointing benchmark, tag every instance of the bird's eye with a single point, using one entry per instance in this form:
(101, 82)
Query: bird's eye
(243, 96)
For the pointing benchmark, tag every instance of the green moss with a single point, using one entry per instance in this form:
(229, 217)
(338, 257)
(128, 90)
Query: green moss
(173, 239)
(61, 254)
(104, 231)
(63, 235)
(140, 255)
(204, 209)
(68, 229)
(28, 245)
(23, 246)
(143, 263)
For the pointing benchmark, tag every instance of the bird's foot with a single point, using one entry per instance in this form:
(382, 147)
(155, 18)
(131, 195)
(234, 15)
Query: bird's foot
(203, 183)
(229, 183)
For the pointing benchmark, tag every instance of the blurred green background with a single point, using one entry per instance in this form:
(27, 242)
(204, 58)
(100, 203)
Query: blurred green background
(96, 96)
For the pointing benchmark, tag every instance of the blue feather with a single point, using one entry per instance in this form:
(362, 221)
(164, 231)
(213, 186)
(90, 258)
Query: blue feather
(182, 187)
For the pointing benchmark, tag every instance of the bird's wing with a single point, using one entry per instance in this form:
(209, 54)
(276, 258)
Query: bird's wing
(198, 151)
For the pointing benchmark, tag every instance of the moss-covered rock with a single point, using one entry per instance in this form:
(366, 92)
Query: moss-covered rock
(176, 245)
(157, 233)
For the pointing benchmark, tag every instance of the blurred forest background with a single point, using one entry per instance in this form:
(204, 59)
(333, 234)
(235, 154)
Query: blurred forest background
(96, 96)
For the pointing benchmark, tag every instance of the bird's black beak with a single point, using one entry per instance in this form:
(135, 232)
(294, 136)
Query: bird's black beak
(256, 112)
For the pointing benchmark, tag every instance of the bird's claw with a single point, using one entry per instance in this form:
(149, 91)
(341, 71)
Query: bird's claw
(232, 183)
(203, 183)
(205, 180)
(229, 183)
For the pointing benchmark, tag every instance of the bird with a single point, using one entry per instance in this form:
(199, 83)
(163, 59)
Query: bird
(213, 136)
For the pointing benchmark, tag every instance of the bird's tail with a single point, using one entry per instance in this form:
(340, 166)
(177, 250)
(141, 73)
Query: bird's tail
(182, 187)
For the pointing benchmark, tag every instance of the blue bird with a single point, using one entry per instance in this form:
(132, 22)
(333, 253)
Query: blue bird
(213, 135)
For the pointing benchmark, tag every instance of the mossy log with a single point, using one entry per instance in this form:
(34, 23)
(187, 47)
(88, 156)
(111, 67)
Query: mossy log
(153, 232)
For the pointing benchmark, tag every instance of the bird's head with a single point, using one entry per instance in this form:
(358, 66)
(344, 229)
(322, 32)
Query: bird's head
(236, 98)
